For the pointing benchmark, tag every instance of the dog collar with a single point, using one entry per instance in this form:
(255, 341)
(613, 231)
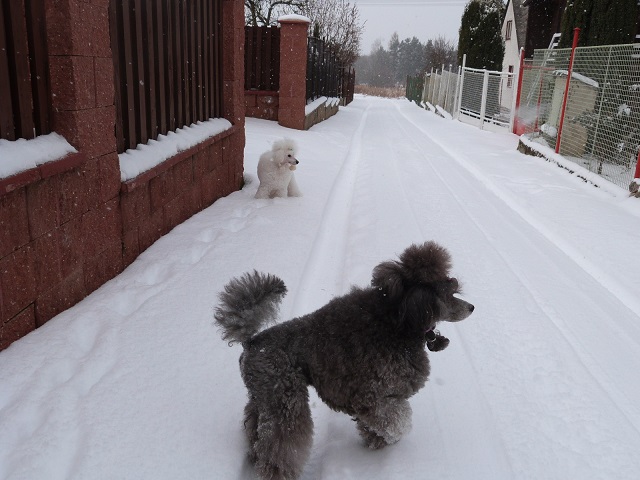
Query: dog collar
(431, 336)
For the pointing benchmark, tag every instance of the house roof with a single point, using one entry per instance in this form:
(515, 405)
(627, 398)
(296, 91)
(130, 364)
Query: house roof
(521, 14)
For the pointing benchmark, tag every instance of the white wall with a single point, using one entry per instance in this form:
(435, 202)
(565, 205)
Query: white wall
(511, 55)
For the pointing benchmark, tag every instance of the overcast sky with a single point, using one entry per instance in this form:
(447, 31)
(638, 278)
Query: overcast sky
(424, 19)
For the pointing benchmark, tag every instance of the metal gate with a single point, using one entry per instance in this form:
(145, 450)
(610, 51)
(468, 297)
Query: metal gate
(486, 99)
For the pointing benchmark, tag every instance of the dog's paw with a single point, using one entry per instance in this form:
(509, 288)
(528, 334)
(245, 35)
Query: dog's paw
(373, 441)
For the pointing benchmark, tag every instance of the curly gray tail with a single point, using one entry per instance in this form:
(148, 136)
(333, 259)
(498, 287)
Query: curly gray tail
(247, 304)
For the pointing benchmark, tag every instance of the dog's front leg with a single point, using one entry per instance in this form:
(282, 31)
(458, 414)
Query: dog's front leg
(385, 423)
(292, 189)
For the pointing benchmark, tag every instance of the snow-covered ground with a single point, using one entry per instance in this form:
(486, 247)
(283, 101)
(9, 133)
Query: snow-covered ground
(541, 382)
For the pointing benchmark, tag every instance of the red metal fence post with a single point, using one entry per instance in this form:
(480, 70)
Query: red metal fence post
(576, 36)
(637, 174)
(516, 126)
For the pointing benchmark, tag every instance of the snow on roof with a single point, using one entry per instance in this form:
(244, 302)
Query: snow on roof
(578, 76)
(133, 162)
(20, 155)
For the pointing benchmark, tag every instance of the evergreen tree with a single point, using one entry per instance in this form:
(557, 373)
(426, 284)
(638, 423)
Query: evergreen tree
(601, 22)
(382, 72)
(394, 48)
(576, 14)
(410, 58)
(480, 34)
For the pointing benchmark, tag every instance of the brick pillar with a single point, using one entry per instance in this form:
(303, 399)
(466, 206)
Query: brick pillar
(233, 67)
(233, 78)
(81, 69)
(293, 70)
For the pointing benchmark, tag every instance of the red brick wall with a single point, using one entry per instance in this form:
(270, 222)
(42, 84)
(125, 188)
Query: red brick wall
(262, 105)
(69, 226)
(156, 201)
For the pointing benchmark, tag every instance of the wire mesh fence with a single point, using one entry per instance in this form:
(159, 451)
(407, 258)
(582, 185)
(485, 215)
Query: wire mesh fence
(601, 124)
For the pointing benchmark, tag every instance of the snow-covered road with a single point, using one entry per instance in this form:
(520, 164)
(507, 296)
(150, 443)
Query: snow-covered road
(541, 382)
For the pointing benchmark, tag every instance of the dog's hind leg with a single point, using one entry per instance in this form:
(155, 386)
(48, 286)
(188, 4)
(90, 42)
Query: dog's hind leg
(251, 427)
(284, 432)
(385, 423)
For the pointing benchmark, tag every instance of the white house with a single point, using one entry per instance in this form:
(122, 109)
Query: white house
(513, 33)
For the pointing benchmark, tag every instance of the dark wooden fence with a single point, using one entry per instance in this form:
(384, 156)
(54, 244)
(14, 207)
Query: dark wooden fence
(348, 85)
(168, 66)
(324, 71)
(24, 77)
(413, 90)
(261, 58)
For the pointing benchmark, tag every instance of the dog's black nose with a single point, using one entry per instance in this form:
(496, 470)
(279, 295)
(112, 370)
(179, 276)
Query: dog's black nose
(297, 162)
(471, 308)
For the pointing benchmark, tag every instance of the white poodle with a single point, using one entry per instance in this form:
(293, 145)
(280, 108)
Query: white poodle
(275, 171)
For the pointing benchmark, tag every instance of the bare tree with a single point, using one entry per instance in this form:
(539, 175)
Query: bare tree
(441, 52)
(266, 12)
(338, 23)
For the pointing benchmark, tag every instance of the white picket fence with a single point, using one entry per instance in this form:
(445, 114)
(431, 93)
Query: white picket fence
(482, 98)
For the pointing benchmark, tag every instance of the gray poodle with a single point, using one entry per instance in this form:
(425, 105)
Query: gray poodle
(364, 353)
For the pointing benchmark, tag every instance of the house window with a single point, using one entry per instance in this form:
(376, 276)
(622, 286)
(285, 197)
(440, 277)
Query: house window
(510, 78)
(507, 35)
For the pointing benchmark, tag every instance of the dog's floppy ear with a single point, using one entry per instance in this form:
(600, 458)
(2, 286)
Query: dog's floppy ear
(417, 310)
(387, 277)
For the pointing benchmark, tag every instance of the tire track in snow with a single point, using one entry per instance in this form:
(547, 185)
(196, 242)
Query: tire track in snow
(622, 403)
(353, 203)
(322, 276)
(494, 460)
(616, 288)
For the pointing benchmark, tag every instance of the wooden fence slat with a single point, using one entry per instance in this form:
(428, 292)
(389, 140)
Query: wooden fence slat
(114, 21)
(150, 67)
(160, 49)
(215, 70)
(140, 80)
(22, 100)
(248, 58)
(200, 74)
(169, 50)
(7, 126)
(184, 61)
(275, 73)
(217, 54)
(265, 74)
(129, 106)
(193, 58)
(206, 90)
(36, 29)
